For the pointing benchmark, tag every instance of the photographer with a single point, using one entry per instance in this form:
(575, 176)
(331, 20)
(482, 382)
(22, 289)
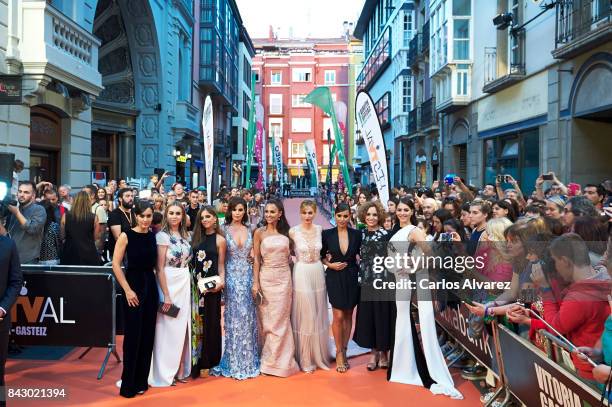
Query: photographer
(26, 223)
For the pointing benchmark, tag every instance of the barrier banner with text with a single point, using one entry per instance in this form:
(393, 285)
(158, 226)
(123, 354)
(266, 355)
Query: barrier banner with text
(538, 381)
(61, 308)
(454, 320)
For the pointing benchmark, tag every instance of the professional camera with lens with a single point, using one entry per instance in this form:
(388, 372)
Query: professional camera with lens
(6, 180)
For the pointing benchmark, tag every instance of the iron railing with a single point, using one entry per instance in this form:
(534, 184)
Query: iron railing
(428, 113)
(576, 18)
(413, 120)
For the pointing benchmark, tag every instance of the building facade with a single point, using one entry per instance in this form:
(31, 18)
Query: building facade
(386, 28)
(536, 95)
(117, 87)
(287, 70)
(225, 50)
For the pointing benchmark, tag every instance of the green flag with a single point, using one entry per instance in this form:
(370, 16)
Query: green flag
(322, 97)
(250, 135)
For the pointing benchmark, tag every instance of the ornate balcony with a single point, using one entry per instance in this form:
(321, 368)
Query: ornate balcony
(413, 121)
(494, 79)
(53, 47)
(425, 39)
(429, 117)
(413, 51)
(581, 26)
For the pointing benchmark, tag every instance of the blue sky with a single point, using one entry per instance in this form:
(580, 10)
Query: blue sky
(313, 18)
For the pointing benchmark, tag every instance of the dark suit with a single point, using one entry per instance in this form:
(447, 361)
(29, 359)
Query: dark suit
(342, 286)
(11, 280)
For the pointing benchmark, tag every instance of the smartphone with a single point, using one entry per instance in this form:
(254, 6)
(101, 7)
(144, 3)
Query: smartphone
(507, 179)
(446, 237)
(500, 178)
(547, 177)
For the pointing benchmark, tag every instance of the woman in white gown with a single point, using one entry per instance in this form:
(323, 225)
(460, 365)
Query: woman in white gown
(309, 314)
(172, 349)
(410, 363)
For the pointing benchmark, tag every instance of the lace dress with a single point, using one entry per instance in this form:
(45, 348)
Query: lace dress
(309, 315)
(241, 354)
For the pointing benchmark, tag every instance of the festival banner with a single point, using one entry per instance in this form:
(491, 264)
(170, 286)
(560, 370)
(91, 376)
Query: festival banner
(259, 114)
(250, 135)
(65, 308)
(264, 159)
(367, 119)
(311, 159)
(322, 97)
(209, 143)
(538, 381)
(278, 158)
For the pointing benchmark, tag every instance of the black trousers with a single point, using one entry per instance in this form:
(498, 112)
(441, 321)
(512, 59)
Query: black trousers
(139, 335)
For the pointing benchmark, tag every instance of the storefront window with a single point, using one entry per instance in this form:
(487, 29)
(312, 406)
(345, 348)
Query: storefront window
(517, 155)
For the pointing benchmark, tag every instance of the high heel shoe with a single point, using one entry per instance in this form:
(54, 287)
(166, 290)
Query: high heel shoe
(383, 364)
(340, 364)
(372, 366)
(346, 362)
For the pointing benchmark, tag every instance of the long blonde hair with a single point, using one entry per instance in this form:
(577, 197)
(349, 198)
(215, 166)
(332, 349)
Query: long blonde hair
(81, 208)
(182, 226)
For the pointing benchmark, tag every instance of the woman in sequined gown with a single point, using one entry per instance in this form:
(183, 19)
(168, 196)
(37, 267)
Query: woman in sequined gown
(272, 278)
(241, 353)
(309, 315)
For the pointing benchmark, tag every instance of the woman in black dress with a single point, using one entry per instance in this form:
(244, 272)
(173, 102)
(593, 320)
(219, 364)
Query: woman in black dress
(339, 253)
(141, 299)
(376, 309)
(80, 229)
(208, 260)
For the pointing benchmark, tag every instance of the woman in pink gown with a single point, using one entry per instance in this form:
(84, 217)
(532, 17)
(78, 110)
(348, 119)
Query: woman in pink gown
(272, 282)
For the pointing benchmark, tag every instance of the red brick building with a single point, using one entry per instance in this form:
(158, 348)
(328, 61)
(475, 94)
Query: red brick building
(287, 70)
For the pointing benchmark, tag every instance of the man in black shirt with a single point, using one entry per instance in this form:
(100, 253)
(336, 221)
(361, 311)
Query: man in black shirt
(121, 219)
(192, 210)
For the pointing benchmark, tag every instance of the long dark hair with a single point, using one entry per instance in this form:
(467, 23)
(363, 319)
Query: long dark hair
(512, 211)
(198, 231)
(409, 203)
(282, 225)
(233, 203)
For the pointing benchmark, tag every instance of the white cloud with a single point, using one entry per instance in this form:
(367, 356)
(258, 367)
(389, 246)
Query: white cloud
(304, 18)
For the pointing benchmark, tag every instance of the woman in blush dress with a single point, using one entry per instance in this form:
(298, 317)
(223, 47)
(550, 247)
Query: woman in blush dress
(340, 249)
(272, 280)
(309, 316)
(172, 350)
(241, 354)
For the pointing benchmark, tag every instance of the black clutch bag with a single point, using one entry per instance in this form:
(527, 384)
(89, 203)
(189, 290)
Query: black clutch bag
(172, 311)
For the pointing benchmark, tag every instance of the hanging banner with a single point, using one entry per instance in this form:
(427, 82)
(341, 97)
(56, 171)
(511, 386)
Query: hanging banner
(311, 159)
(264, 159)
(250, 135)
(367, 120)
(322, 98)
(259, 113)
(209, 143)
(278, 158)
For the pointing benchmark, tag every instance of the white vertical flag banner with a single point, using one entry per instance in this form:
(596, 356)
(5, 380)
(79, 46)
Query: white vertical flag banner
(365, 112)
(278, 158)
(264, 159)
(311, 156)
(209, 143)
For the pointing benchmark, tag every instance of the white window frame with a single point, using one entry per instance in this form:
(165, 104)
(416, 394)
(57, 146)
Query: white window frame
(280, 78)
(301, 125)
(330, 77)
(296, 75)
(273, 122)
(297, 150)
(279, 98)
(297, 100)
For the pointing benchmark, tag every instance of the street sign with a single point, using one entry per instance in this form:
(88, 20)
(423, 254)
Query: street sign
(10, 89)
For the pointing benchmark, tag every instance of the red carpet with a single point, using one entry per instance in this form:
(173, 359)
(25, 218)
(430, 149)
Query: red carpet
(357, 387)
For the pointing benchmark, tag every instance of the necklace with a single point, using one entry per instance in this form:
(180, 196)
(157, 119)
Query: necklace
(129, 219)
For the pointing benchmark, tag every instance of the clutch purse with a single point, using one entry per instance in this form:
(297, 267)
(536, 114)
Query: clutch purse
(207, 283)
(172, 311)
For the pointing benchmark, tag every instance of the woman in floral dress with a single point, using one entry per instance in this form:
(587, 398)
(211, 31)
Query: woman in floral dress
(171, 351)
(208, 260)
